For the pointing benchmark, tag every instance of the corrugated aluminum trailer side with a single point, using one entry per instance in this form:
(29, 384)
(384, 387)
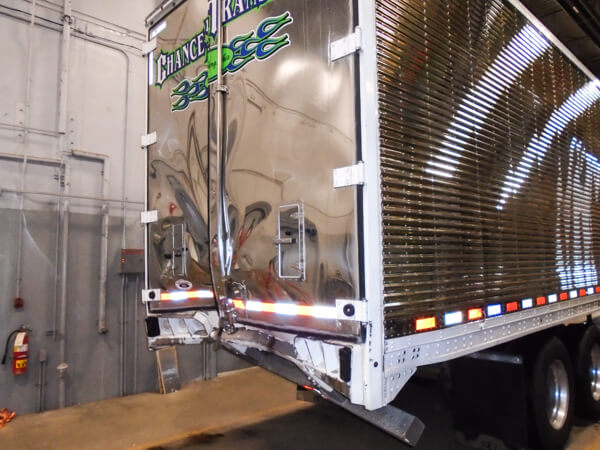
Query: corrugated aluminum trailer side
(488, 162)
(488, 150)
(345, 191)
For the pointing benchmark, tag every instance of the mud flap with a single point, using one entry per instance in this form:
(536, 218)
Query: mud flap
(394, 421)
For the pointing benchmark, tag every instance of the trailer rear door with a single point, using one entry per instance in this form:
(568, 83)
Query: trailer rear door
(178, 243)
(242, 174)
(284, 241)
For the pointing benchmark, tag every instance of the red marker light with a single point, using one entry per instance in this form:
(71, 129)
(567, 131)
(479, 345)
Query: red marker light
(564, 295)
(512, 306)
(540, 301)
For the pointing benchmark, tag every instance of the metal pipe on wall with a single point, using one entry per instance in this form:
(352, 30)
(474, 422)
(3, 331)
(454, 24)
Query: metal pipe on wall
(63, 165)
(145, 149)
(62, 144)
(71, 196)
(63, 216)
(59, 191)
(43, 360)
(105, 160)
(62, 324)
(100, 42)
(33, 159)
(25, 149)
(135, 332)
(124, 162)
(62, 129)
(27, 129)
(122, 371)
(80, 15)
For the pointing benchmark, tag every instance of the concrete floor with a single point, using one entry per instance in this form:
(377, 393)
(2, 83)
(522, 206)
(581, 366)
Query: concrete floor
(248, 409)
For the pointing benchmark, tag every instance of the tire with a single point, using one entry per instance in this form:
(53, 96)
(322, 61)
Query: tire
(587, 374)
(552, 395)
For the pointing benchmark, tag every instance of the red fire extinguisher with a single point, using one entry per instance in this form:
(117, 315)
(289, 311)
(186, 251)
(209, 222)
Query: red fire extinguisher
(20, 351)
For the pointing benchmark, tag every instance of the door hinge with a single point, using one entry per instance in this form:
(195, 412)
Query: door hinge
(149, 139)
(349, 175)
(346, 45)
(149, 216)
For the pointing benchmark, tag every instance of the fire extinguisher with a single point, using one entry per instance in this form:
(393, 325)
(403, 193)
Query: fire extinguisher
(20, 350)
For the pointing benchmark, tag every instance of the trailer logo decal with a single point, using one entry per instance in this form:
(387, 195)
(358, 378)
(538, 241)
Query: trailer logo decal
(260, 44)
(168, 63)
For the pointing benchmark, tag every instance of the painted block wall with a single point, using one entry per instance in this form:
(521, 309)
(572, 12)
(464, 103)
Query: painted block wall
(104, 85)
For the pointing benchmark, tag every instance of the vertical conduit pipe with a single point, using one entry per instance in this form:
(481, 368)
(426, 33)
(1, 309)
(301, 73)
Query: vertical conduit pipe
(62, 129)
(25, 149)
(124, 171)
(123, 230)
(43, 359)
(65, 45)
(62, 323)
(105, 160)
(149, 67)
(57, 253)
(122, 371)
(135, 332)
(63, 167)
(59, 187)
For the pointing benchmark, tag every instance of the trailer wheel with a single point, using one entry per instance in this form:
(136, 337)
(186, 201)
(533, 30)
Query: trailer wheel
(552, 395)
(587, 371)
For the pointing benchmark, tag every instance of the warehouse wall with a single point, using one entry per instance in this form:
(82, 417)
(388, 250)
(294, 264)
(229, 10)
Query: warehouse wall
(104, 84)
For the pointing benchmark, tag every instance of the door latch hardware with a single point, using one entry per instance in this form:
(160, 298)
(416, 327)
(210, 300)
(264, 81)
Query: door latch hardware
(279, 241)
(291, 251)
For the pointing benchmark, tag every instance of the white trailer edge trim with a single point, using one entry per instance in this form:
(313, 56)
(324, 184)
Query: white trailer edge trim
(371, 213)
(551, 37)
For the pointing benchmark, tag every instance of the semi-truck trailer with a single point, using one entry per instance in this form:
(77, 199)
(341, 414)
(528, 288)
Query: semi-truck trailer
(342, 191)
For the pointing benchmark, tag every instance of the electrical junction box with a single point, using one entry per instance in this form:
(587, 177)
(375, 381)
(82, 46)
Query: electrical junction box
(132, 260)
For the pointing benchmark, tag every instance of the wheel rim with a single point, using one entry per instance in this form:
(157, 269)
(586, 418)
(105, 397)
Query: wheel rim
(595, 372)
(558, 394)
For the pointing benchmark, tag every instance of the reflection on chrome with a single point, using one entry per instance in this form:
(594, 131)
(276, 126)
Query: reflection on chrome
(288, 122)
(521, 52)
(574, 107)
(575, 261)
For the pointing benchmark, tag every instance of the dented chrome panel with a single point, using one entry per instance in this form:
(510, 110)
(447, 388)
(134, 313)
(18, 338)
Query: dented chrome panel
(288, 122)
(178, 175)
